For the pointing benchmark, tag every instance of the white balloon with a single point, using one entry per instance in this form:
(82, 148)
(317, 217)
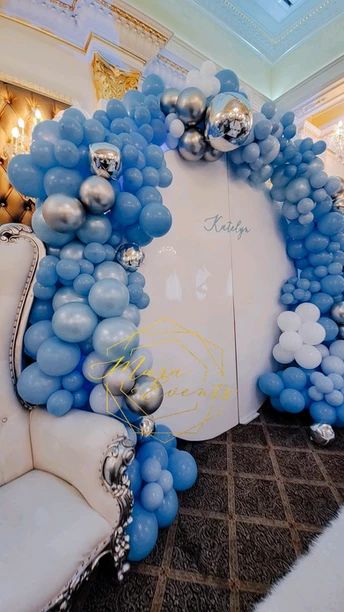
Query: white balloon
(308, 311)
(312, 333)
(215, 86)
(177, 128)
(208, 68)
(192, 78)
(323, 350)
(288, 321)
(308, 356)
(281, 355)
(290, 341)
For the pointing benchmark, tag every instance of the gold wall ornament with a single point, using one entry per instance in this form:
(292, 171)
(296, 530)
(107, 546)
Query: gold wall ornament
(110, 81)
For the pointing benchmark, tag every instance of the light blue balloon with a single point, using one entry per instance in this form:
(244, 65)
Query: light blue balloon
(111, 269)
(57, 358)
(228, 79)
(153, 449)
(74, 322)
(268, 109)
(133, 472)
(116, 109)
(294, 378)
(60, 402)
(163, 434)
(134, 233)
(332, 365)
(95, 252)
(35, 387)
(46, 234)
(68, 269)
(42, 153)
(65, 295)
(165, 481)
(132, 179)
(94, 367)
(72, 250)
(143, 533)
(132, 313)
(183, 468)
(322, 412)
(108, 297)
(35, 335)
(83, 283)
(127, 209)
(331, 223)
(114, 338)
(43, 292)
(292, 400)
(93, 131)
(71, 129)
(151, 496)
(270, 384)
(96, 228)
(152, 84)
(25, 176)
(66, 153)
(168, 510)
(73, 381)
(155, 220)
(298, 189)
(46, 130)
(151, 470)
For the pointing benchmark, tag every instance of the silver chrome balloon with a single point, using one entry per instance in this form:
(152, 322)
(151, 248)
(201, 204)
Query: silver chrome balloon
(63, 213)
(228, 121)
(341, 332)
(212, 154)
(192, 145)
(168, 100)
(97, 195)
(338, 197)
(130, 256)
(146, 395)
(322, 434)
(147, 427)
(105, 160)
(191, 105)
(337, 312)
(119, 380)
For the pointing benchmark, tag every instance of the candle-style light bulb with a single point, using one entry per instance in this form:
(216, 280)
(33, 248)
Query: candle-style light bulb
(38, 114)
(21, 123)
(15, 132)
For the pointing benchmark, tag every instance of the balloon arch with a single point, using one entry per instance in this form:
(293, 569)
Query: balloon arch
(96, 183)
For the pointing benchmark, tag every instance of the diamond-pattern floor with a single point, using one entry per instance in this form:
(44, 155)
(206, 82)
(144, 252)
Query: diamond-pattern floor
(263, 492)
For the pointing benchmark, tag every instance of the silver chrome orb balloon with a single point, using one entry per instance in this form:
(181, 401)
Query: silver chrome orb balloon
(63, 213)
(130, 256)
(321, 434)
(341, 332)
(212, 154)
(105, 160)
(146, 395)
(97, 195)
(228, 121)
(191, 105)
(192, 145)
(147, 427)
(119, 380)
(338, 198)
(168, 100)
(337, 312)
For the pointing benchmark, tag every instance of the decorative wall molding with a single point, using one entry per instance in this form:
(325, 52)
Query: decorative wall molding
(110, 81)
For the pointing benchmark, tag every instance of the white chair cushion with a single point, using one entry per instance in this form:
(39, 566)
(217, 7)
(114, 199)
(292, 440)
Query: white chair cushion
(47, 530)
(15, 449)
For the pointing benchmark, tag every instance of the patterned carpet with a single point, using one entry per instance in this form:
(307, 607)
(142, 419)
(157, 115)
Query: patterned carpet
(263, 492)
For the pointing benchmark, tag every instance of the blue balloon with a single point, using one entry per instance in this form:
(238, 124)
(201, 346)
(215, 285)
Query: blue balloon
(83, 283)
(165, 177)
(62, 180)
(73, 381)
(153, 85)
(66, 153)
(80, 398)
(43, 292)
(111, 269)
(297, 189)
(132, 314)
(40, 311)
(42, 153)
(71, 129)
(162, 433)
(68, 269)
(183, 468)
(153, 449)
(134, 474)
(155, 220)
(294, 378)
(132, 179)
(74, 322)
(166, 481)
(35, 335)
(101, 116)
(292, 400)
(331, 223)
(134, 233)
(60, 402)
(115, 337)
(57, 358)
(95, 252)
(151, 470)
(93, 131)
(167, 512)
(143, 533)
(316, 242)
(330, 327)
(96, 228)
(270, 384)
(65, 295)
(322, 412)
(228, 79)
(323, 301)
(108, 297)
(152, 496)
(127, 209)
(116, 109)
(26, 177)
(35, 387)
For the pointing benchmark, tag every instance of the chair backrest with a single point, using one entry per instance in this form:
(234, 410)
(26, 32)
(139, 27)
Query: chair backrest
(20, 252)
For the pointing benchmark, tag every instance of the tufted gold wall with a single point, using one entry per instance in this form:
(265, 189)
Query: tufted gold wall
(15, 103)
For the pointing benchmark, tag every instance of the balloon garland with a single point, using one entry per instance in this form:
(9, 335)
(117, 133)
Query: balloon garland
(96, 183)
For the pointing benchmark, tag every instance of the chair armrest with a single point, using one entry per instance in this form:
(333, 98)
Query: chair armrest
(91, 452)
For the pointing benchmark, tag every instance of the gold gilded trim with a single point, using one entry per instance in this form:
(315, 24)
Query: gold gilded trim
(136, 22)
(110, 81)
(176, 67)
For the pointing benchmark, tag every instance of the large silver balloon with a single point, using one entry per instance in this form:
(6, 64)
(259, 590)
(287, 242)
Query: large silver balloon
(338, 197)
(119, 380)
(168, 100)
(212, 154)
(321, 434)
(130, 256)
(337, 312)
(146, 395)
(191, 105)
(63, 213)
(97, 195)
(105, 160)
(192, 145)
(228, 121)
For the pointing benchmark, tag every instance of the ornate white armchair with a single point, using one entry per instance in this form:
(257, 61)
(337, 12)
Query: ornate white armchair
(64, 496)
